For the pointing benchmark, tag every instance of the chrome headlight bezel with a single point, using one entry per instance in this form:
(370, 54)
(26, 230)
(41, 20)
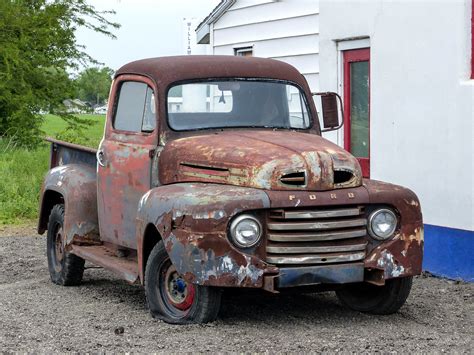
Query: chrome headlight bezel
(392, 229)
(233, 230)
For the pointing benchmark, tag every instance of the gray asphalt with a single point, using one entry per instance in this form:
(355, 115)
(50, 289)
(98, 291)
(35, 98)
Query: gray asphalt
(106, 314)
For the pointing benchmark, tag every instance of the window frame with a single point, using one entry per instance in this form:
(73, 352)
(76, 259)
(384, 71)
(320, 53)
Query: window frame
(311, 122)
(113, 133)
(116, 101)
(353, 56)
(238, 51)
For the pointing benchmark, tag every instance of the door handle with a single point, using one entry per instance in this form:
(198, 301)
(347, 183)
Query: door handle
(101, 157)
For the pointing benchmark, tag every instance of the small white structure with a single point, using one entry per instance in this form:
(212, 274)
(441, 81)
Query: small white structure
(284, 30)
(75, 106)
(405, 72)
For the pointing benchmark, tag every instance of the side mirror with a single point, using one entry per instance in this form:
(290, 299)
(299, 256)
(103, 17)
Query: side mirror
(333, 114)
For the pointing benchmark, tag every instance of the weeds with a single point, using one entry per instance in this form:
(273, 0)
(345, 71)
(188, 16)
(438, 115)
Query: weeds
(22, 170)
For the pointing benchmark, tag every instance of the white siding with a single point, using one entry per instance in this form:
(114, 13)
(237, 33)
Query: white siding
(266, 11)
(289, 27)
(306, 64)
(313, 81)
(285, 30)
(277, 47)
(249, 3)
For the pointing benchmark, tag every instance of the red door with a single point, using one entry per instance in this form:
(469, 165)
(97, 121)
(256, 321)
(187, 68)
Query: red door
(357, 106)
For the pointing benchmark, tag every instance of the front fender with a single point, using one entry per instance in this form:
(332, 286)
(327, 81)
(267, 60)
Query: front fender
(403, 255)
(192, 221)
(77, 185)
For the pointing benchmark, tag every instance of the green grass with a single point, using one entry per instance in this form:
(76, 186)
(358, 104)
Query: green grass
(22, 171)
(53, 125)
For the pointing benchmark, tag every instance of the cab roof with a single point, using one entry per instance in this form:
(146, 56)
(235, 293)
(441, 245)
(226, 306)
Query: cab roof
(167, 70)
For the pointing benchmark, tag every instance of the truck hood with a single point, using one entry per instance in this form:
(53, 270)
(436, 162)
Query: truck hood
(276, 160)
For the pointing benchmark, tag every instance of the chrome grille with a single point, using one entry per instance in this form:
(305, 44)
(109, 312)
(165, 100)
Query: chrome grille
(316, 236)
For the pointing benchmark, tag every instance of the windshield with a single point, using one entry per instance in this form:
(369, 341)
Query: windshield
(236, 103)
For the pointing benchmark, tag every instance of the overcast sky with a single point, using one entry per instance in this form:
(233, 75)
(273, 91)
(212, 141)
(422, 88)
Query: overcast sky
(149, 28)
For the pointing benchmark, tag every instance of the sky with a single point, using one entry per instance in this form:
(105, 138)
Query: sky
(149, 28)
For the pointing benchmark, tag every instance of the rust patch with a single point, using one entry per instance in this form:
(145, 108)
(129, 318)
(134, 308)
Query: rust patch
(262, 160)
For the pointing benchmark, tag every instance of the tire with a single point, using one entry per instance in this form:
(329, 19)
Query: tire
(65, 269)
(174, 300)
(373, 299)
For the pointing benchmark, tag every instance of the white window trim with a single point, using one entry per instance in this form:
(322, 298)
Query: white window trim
(243, 48)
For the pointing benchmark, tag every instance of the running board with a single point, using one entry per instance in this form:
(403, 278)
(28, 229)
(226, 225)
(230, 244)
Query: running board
(127, 269)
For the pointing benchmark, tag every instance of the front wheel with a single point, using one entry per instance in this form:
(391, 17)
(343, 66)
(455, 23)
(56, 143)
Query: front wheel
(172, 299)
(386, 299)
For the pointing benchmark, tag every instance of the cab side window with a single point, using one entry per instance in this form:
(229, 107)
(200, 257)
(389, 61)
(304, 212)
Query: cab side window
(135, 108)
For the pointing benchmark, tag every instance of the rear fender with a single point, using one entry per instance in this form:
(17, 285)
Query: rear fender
(76, 186)
(192, 221)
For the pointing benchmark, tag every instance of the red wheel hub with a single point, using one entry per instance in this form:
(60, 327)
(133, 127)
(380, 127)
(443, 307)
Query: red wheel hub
(58, 246)
(179, 292)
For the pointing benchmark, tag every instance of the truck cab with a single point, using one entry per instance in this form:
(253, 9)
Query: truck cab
(212, 174)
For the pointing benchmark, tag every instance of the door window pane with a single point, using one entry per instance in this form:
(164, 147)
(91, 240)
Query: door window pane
(360, 109)
(149, 120)
(135, 108)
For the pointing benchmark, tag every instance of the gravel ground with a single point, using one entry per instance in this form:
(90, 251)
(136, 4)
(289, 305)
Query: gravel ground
(106, 314)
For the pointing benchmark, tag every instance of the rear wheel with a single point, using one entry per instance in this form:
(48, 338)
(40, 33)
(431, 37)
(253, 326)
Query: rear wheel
(171, 298)
(386, 299)
(65, 269)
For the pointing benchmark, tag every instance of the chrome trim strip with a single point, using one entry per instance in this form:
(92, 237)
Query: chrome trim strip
(317, 237)
(315, 259)
(301, 249)
(317, 225)
(320, 213)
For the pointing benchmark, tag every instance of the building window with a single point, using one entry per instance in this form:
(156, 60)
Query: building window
(243, 52)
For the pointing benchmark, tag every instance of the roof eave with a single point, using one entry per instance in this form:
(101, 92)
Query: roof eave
(203, 29)
(202, 34)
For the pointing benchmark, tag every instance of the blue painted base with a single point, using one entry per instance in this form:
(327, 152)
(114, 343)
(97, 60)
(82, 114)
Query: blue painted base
(449, 252)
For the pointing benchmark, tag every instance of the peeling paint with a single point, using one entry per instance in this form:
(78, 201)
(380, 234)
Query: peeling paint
(202, 181)
(388, 263)
(262, 159)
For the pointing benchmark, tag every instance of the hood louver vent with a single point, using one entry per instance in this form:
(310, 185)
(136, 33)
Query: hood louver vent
(294, 179)
(203, 170)
(342, 176)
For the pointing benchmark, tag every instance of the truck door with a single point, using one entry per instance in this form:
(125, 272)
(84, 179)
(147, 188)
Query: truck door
(124, 157)
(357, 106)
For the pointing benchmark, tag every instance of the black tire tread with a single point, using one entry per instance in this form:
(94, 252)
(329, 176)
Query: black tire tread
(400, 295)
(73, 266)
(394, 295)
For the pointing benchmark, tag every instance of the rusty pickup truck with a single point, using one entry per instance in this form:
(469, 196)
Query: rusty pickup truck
(212, 174)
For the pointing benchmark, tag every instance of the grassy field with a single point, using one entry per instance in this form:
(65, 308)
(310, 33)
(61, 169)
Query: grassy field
(22, 171)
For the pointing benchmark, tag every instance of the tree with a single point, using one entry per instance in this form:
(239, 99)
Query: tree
(37, 49)
(93, 85)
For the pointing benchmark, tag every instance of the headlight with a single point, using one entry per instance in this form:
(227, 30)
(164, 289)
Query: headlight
(382, 224)
(245, 231)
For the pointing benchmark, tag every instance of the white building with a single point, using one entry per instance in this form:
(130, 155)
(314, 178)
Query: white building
(283, 30)
(407, 68)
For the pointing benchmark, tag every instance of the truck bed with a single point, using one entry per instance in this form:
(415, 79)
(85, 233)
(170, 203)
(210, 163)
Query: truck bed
(63, 153)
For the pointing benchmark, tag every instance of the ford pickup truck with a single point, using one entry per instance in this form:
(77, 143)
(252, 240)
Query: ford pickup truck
(212, 174)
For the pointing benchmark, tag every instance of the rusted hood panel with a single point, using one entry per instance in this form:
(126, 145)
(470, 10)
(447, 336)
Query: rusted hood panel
(262, 158)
